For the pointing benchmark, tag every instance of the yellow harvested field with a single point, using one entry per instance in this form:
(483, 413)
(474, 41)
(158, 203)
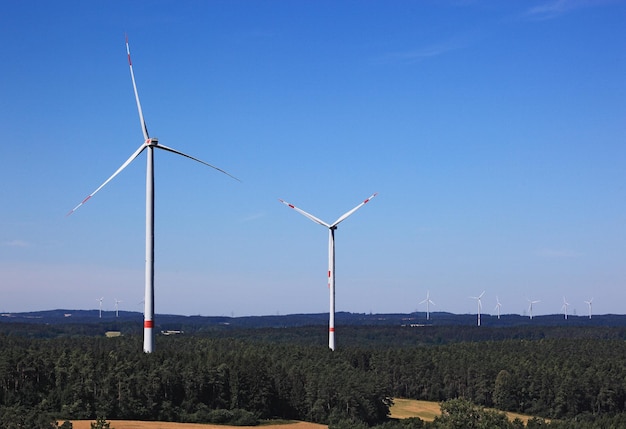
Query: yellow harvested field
(401, 409)
(405, 408)
(128, 424)
(427, 411)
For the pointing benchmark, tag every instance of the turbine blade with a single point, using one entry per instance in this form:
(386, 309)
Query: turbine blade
(481, 295)
(128, 161)
(169, 149)
(308, 215)
(144, 128)
(342, 218)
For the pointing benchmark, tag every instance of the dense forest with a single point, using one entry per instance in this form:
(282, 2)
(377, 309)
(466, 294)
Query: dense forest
(574, 376)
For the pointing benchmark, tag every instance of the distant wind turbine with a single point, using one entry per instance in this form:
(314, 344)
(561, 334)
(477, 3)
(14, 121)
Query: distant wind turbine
(480, 306)
(331, 259)
(589, 304)
(117, 301)
(497, 307)
(100, 299)
(564, 308)
(149, 144)
(427, 301)
(530, 307)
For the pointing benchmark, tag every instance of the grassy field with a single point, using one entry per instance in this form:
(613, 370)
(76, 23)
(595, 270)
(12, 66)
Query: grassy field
(127, 424)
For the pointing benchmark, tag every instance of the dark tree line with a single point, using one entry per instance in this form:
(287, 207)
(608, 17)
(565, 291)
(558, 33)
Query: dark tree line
(274, 374)
(185, 381)
(551, 378)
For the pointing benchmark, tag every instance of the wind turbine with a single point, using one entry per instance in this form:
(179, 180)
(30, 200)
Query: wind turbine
(100, 299)
(331, 260)
(480, 306)
(117, 301)
(564, 308)
(589, 304)
(149, 144)
(427, 301)
(530, 307)
(498, 305)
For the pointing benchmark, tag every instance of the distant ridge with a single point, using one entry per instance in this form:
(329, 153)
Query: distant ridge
(165, 321)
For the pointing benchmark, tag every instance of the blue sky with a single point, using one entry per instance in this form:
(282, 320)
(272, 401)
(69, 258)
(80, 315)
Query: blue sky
(493, 132)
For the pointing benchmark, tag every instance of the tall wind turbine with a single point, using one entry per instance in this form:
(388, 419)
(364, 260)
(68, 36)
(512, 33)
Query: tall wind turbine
(331, 260)
(148, 144)
(589, 304)
(530, 307)
(427, 301)
(480, 306)
(498, 305)
(100, 299)
(564, 308)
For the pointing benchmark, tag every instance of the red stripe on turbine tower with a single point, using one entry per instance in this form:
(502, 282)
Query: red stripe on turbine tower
(148, 324)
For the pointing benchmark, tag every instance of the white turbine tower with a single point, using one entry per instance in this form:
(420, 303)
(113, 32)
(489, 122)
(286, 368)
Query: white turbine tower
(428, 302)
(564, 308)
(331, 260)
(530, 307)
(480, 306)
(497, 307)
(149, 144)
(100, 299)
(117, 301)
(589, 304)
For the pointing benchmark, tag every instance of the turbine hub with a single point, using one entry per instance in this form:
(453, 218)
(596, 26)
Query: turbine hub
(152, 141)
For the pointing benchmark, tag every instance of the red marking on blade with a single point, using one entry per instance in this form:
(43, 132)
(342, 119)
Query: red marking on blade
(291, 206)
(129, 62)
(85, 200)
(328, 273)
(148, 324)
(331, 329)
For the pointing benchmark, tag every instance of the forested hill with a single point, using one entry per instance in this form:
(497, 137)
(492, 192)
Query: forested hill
(59, 365)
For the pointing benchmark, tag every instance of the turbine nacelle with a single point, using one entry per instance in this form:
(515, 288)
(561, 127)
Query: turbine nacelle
(153, 141)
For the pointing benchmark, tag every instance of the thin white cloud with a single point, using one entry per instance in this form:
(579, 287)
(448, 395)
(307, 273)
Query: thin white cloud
(557, 253)
(556, 8)
(253, 216)
(16, 243)
(411, 56)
